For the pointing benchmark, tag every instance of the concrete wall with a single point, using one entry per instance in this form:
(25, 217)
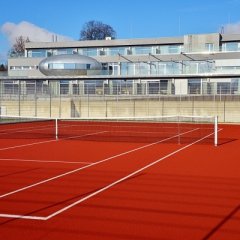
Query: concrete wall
(227, 110)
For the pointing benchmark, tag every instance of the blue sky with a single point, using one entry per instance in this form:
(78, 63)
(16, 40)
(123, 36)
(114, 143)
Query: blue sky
(129, 18)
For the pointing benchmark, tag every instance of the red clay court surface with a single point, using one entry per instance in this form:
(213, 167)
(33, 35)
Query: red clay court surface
(79, 189)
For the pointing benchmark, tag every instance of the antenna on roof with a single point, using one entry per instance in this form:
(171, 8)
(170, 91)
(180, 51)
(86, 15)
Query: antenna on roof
(222, 30)
(54, 38)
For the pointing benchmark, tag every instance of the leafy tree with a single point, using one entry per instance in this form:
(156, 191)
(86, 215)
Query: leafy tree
(19, 46)
(95, 30)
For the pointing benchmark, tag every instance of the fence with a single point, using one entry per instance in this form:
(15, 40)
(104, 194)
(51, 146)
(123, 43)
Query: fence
(65, 99)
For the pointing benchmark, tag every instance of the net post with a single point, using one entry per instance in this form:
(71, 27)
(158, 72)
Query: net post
(216, 130)
(178, 126)
(56, 129)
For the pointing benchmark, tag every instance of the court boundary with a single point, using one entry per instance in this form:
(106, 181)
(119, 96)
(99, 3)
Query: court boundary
(93, 164)
(42, 161)
(41, 218)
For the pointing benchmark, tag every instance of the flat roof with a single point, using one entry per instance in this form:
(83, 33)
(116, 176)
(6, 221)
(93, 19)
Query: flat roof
(126, 42)
(106, 43)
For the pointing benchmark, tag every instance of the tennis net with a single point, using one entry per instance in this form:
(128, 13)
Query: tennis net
(174, 129)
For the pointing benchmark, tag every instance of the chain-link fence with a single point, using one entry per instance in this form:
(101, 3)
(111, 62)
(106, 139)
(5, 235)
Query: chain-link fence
(57, 98)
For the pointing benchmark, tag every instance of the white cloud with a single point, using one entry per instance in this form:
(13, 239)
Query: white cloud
(33, 32)
(232, 28)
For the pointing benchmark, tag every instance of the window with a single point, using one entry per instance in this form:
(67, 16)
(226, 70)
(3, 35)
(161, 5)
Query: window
(89, 51)
(143, 50)
(114, 51)
(230, 87)
(158, 87)
(209, 47)
(56, 66)
(37, 53)
(235, 83)
(169, 49)
(23, 67)
(231, 46)
(49, 53)
(64, 87)
(18, 67)
(223, 87)
(101, 52)
(173, 49)
(129, 51)
(64, 51)
(194, 86)
(69, 66)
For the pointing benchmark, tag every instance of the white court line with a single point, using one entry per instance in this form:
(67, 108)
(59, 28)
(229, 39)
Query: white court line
(90, 165)
(22, 216)
(41, 161)
(52, 140)
(104, 188)
(121, 179)
(78, 169)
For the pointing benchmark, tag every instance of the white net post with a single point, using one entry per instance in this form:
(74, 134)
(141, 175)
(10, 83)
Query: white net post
(178, 126)
(216, 130)
(56, 129)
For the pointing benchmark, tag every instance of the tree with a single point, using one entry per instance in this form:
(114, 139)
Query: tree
(3, 67)
(18, 47)
(95, 30)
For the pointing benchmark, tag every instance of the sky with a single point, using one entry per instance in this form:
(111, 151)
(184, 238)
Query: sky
(40, 20)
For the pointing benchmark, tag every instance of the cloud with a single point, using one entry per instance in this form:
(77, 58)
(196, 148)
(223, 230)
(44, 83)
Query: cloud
(33, 32)
(232, 28)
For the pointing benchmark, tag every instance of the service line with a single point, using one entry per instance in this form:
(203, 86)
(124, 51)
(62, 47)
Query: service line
(52, 140)
(90, 165)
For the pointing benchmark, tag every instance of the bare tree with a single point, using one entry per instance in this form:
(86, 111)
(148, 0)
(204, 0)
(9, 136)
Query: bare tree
(95, 30)
(3, 67)
(19, 46)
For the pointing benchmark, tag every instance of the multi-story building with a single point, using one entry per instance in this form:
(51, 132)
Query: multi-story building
(202, 67)
(201, 64)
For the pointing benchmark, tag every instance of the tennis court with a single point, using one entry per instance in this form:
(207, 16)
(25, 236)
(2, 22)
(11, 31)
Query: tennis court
(119, 179)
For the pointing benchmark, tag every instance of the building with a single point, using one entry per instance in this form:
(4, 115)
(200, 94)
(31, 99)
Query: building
(196, 65)
(207, 63)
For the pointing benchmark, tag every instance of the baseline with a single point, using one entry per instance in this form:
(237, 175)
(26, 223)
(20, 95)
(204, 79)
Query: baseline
(92, 164)
(104, 188)
(41, 161)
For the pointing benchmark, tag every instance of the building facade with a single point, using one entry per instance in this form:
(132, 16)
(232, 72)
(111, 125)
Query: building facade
(191, 64)
(188, 75)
